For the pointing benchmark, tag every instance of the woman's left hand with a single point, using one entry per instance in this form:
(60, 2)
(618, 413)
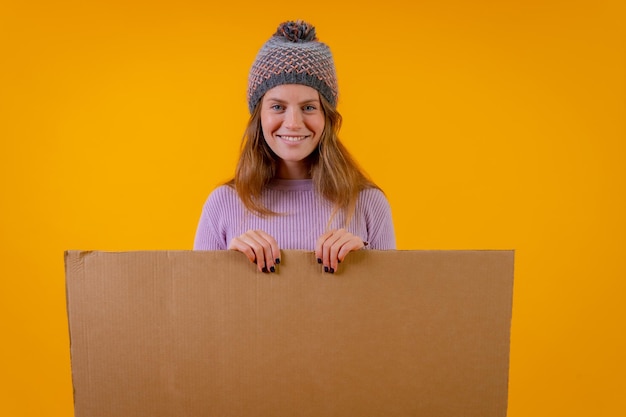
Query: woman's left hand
(333, 246)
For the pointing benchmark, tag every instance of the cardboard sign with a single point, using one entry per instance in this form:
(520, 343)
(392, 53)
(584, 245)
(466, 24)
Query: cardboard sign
(392, 333)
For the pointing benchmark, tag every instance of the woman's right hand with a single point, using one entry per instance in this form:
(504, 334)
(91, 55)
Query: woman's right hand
(259, 247)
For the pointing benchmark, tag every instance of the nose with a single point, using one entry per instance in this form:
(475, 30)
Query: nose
(293, 118)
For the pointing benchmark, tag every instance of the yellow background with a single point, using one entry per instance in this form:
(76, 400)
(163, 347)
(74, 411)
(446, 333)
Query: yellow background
(490, 125)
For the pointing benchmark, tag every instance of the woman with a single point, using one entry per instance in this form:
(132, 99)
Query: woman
(295, 185)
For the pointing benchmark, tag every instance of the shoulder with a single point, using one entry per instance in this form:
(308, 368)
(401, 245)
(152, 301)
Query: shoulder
(222, 193)
(224, 197)
(373, 197)
(373, 205)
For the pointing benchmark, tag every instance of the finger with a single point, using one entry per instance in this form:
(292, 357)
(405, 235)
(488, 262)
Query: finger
(252, 242)
(237, 244)
(319, 245)
(274, 253)
(353, 244)
(271, 249)
(327, 247)
(338, 251)
(262, 249)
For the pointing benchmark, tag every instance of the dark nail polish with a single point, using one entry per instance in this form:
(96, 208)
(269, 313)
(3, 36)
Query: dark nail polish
(272, 269)
(319, 261)
(332, 270)
(277, 260)
(325, 269)
(264, 269)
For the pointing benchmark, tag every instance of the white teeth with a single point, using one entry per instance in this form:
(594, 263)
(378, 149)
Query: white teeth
(293, 138)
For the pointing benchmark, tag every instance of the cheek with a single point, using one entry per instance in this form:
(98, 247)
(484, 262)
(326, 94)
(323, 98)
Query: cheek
(315, 124)
(268, 125)
(319, 126)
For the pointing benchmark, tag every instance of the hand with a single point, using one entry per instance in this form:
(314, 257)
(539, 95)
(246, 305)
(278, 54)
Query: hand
(333, 246)
(259, 247)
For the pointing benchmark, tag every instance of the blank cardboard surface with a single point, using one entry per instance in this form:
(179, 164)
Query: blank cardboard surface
(393, 333)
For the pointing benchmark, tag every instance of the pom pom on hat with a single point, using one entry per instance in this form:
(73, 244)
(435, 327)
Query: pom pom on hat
(296, 31)
(293, 55)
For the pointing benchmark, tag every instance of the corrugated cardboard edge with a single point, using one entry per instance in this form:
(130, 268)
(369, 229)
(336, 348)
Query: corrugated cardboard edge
(73, 261)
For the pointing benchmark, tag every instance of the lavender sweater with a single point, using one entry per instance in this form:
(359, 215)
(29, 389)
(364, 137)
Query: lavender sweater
(303, 220)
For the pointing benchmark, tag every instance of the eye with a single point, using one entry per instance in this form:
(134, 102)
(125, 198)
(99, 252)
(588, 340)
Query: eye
(276, 107)
(310, 107)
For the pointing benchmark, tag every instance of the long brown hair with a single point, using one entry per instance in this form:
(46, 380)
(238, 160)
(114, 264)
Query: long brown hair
(335, 173)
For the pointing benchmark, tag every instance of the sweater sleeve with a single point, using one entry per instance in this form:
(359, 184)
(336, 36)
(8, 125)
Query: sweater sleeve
(211, 231)
(377, 211)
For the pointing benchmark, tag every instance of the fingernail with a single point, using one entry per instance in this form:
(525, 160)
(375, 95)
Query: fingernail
(277, 260)
(325, 269)
(272, 269)
(319, 260)
(264, 269)
(332, 270)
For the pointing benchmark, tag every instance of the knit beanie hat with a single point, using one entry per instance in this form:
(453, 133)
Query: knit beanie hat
(293, 56)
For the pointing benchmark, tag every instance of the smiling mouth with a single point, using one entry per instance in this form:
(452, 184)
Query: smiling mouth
(292, 138)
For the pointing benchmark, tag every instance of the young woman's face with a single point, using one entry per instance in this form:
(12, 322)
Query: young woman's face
(292, 120)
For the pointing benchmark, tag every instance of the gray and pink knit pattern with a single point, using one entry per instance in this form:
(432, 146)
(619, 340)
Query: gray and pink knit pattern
(293, 56)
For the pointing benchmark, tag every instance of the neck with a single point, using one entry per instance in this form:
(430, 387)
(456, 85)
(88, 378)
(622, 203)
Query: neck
(293, 171)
